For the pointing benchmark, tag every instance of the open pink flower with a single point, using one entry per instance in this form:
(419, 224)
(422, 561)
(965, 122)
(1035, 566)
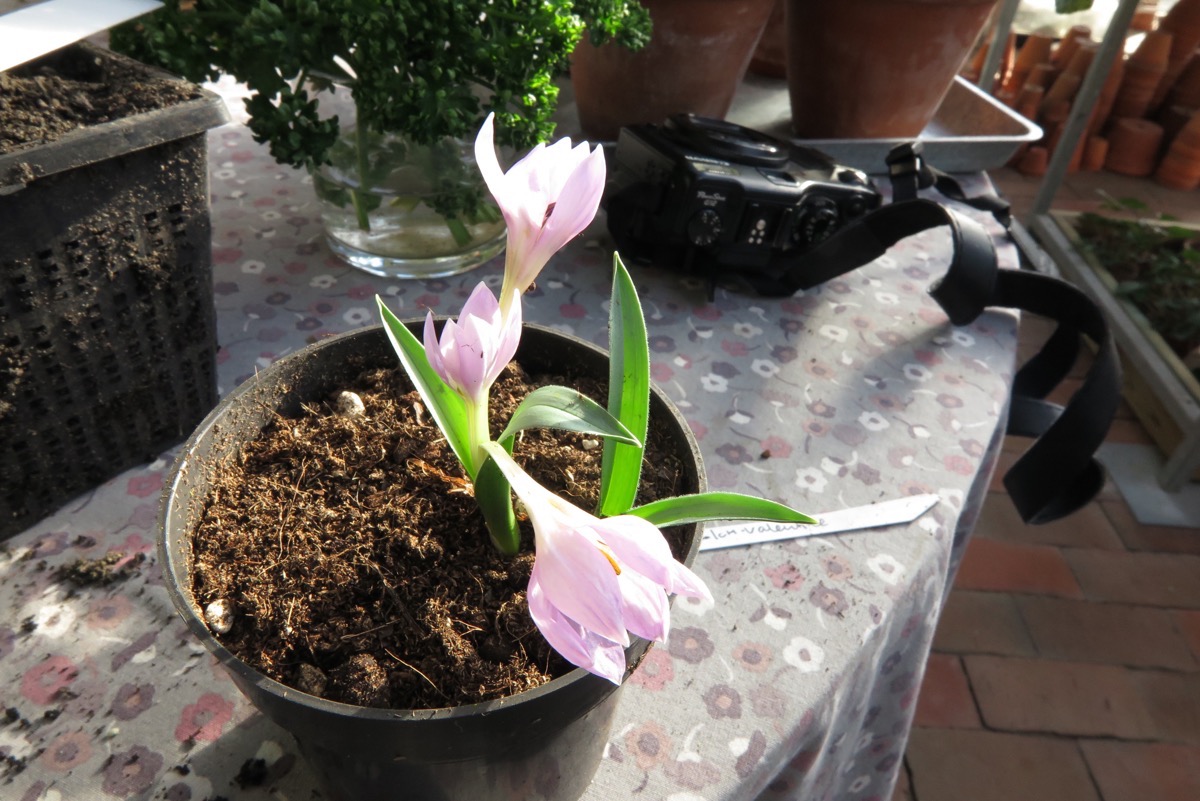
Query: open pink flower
(547, 199)
(473, 350)
(596, 580)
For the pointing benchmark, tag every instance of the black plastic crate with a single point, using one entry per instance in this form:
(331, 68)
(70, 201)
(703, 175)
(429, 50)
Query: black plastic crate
(107, 326)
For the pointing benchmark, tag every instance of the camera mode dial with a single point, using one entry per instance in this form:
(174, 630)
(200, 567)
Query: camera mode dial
(816, 219)
(704, 227)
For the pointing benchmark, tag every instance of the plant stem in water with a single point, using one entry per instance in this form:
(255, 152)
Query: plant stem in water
(358, 194)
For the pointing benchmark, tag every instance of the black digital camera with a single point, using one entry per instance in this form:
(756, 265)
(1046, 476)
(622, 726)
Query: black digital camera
(720, 200)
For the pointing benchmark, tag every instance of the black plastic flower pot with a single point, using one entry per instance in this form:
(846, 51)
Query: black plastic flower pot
(108, 338)
(545, 743)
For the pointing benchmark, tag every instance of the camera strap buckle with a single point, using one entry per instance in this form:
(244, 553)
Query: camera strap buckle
(908, 171)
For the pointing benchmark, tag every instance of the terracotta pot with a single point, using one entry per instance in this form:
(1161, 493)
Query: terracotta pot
(1108, 96)
(770, 57)
(1095, 153)
(875, 68)
(1186, 90)
(1036, 50)
(1183, 23)
(697, 56)
(1034, 161)
(1029, 101)
(1133, 147)
(1069, 44)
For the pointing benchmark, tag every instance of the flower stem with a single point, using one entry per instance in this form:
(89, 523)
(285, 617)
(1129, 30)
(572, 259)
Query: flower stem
(477, 433)
(358, 194)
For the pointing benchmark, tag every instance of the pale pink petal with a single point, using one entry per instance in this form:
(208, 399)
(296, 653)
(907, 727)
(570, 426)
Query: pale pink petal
(686, 583)
(485, 159)
(433, 350)
(581, 583)
(574, 210)
(645, 609)
(583, 649)
(639, 544)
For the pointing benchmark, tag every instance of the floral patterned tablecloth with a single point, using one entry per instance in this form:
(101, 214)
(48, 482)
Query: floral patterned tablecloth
(798, 682)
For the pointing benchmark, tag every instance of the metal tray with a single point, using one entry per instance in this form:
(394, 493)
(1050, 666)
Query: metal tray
(971, 130)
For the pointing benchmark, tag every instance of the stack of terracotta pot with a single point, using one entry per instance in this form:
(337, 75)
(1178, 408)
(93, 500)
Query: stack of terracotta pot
(1145, 122)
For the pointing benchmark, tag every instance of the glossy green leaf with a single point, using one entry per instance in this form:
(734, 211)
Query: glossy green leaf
(568, 410)
(709, 506)
(1071, 6)
(494, 496)
(446, 406)
(628, 394)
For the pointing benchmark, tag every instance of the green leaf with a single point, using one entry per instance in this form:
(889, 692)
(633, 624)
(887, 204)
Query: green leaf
(446, 406)
(708, 506)
(628, 394)
(494, 496)
(566, 409)
(1071, 6)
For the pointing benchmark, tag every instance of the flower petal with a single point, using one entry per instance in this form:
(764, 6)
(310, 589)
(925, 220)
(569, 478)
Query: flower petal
(645, 608)
(583, 649)
(581, 583)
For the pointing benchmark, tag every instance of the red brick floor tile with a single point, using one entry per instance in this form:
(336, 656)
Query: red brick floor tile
(1149, 579)
(1114, 634)
(976, 765)
(1004, 567)
(945, 698)
(1188, 623)
(1016, 694)
(1087, 528)
(1140, 537)
(1173, 700)
(983, 623)
(1144, 771)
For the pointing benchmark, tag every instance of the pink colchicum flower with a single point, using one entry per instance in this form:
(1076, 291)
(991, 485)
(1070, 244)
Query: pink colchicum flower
(474, 349)
(596, 580)
(547, 199)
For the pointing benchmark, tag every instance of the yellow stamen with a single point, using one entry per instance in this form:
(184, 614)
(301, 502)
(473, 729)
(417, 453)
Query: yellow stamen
(612, 559)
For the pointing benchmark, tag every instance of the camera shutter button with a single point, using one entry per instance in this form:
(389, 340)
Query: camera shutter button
(704, 227)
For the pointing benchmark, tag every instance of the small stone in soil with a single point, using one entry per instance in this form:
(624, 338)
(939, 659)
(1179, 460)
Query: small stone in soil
(219, 616)
(310, 679)
(361, 681)
(349, 404)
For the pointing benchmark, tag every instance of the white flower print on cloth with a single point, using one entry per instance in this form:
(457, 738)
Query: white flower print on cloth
(810, 478)
(886, 567)
(804, 654)
(962, 338)
(323, 281)
(834, 332)
(357, 316)
(873, 421)
(714, 383)
(765, 367)
(917, 372)
(746, 330)
(52, 620)
(887, 298)
(693, 606)
(253, 267)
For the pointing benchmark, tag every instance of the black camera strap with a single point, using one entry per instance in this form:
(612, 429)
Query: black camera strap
(1058, 474)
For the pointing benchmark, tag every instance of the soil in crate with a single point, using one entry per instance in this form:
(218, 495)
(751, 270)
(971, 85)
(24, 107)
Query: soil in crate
(357, 565)
(39, 104)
